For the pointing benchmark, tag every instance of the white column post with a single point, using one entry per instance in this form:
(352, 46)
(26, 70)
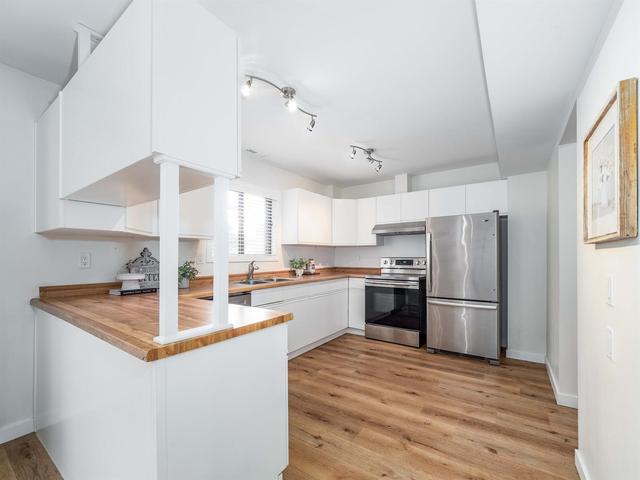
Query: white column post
(169, 224)
(220, 254)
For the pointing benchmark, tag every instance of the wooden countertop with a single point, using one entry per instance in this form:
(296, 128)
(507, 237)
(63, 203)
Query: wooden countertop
(131, 322)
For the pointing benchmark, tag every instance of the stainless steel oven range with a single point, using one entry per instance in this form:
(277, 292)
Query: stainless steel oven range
(395, 301)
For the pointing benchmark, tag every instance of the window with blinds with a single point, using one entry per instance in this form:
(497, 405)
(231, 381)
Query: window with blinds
(250, 224)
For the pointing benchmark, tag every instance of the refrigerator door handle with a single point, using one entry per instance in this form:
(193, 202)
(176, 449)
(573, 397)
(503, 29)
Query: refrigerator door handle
(447, 303)
(428, 255)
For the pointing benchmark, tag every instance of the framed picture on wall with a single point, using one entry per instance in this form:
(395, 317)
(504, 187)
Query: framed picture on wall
(610, 174)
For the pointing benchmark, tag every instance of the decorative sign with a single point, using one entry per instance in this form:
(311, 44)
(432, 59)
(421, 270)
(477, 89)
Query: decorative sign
(148, 265)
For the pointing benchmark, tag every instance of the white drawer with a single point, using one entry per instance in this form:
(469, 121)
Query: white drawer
(279, 294)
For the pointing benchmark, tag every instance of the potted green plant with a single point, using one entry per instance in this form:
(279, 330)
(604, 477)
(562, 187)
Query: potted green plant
(298, 264)
(187, 271)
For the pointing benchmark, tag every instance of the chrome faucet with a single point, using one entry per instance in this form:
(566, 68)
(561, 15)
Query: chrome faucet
(252, 268)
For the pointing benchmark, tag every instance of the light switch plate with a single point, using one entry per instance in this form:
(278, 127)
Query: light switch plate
(611, 290)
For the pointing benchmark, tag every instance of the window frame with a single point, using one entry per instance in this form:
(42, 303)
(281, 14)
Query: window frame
(275, 197)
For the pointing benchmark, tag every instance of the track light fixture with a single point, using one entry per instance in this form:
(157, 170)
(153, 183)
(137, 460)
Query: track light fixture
(369, 157)
(288, 93)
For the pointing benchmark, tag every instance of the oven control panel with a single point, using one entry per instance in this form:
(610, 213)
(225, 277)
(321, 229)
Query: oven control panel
(403, 262)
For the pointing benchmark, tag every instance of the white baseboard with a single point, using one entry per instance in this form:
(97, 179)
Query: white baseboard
(355, 331)
(16, 429)
(526, 356)
(581, 466)
(564, 399)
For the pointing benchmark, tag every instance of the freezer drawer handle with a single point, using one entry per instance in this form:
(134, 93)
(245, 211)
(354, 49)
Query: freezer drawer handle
(480, 306)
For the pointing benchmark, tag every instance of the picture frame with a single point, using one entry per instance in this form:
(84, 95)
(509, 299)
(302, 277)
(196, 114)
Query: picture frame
(610, 173)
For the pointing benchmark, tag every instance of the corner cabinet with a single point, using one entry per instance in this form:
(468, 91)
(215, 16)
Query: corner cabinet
(163, 81)
(306, 218)
(344, 228)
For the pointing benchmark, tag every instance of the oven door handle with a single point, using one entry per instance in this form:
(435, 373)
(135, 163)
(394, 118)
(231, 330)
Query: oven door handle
(386, 284)
(480, 306)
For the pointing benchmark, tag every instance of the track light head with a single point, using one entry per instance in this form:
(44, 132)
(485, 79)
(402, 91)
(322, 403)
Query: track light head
(312, 124)
(290, 95)
(378, 167)
(246, 87)
(353, 153)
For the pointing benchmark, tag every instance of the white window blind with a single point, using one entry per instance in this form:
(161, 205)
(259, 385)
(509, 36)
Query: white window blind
(250, 224)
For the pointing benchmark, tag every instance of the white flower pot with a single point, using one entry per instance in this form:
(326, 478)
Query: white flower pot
(299, 272)
(184, 283)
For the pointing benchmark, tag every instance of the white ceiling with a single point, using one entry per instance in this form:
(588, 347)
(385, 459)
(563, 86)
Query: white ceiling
(405, 77)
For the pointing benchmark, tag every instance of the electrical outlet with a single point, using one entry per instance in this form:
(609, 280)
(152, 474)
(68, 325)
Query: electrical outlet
(610, 343)
(84, 260)
(611, 289)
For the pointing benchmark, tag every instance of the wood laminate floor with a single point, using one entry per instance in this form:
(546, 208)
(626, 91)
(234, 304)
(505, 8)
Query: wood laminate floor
(26, 459)
(362, 409)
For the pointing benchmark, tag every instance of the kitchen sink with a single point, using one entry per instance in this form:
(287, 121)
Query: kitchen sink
(262, 281)
(251, 282)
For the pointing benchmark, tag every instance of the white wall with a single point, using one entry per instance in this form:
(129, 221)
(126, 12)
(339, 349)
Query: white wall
(459, 176)
(561, 275)
(29, 260)
(609, 389)
(527, 200)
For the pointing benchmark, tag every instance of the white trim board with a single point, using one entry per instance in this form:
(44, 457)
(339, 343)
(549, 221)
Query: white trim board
(16, 429)
(581, 466)
(564, 399)
(526, 356)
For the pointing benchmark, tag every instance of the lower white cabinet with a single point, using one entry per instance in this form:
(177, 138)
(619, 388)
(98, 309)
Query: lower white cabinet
(319, 309)
(356, 303)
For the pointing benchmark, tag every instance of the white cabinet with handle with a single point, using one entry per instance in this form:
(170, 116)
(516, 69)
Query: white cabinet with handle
(356, 303)
(447, 201)
(306, 218)
(486, 197)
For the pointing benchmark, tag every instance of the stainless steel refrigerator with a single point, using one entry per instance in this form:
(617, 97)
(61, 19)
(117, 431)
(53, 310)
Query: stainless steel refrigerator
(463, 284)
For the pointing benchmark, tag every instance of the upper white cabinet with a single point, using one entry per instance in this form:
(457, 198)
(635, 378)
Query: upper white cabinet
(366, 220)
(163, 81)
(196, 213)
(486, 197)
(306, 218)
(447, 201)
(52, 213)
(415, 206)
(345, 225)
(388, 208)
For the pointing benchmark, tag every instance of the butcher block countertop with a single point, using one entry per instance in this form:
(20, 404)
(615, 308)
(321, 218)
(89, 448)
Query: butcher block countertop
(131, 322)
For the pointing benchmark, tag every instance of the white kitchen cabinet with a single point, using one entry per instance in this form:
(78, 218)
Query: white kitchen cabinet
(447, 201)
(163, 81)
(320, 310)
(64, 216)
(143, 218)
(486, 197)
(306, 218)
(356, 303)
(366, 221)
(345, 222)
(389, 208)
(415, 206)
(196, 213)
